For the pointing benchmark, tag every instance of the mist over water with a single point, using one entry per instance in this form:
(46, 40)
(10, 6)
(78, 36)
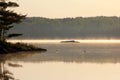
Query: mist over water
(86, 60)
(59, 40)
(98, 51)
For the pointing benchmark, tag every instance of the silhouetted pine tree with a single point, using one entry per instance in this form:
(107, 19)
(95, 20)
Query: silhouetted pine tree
(7, 18)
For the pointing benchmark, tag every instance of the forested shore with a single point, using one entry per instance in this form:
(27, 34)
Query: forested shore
(100, 27)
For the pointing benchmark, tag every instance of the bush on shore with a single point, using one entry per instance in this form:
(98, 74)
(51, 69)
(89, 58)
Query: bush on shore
(6, 47)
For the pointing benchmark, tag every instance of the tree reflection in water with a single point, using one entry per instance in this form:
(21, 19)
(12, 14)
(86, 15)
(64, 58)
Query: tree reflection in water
(5, 74)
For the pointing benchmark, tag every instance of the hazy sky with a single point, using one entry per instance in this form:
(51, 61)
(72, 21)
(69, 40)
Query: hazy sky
(69, 8)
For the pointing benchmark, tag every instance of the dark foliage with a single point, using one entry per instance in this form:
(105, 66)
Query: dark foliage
(6, 47)
(8, 17)
(13, 35)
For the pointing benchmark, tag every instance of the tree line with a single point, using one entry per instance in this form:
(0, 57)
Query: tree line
(79, 27)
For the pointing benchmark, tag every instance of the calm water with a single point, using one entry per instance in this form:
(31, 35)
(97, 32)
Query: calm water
(73, 61)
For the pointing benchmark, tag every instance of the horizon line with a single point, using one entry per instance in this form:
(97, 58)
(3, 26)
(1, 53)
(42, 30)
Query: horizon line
(69, 17)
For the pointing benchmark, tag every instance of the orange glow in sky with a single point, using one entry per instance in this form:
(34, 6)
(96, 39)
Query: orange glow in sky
(69, 8)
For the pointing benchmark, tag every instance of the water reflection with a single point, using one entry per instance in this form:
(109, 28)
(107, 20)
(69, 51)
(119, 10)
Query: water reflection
(64, 62)
(67, 71)
(92, 53)
(6, 62)
(5, 74)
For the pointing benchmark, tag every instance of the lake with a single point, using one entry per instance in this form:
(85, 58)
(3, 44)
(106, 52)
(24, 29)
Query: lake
(65, 61)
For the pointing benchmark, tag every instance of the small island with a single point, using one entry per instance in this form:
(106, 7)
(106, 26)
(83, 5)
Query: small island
(7, 20)
(69, 41)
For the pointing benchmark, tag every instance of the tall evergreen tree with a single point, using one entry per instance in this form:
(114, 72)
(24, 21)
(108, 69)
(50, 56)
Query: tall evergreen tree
(7, 18)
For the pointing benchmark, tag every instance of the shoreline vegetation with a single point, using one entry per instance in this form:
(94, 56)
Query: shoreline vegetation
(7, 47)
(7, 20)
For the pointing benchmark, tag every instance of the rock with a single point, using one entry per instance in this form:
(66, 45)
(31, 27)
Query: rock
(70, 41)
